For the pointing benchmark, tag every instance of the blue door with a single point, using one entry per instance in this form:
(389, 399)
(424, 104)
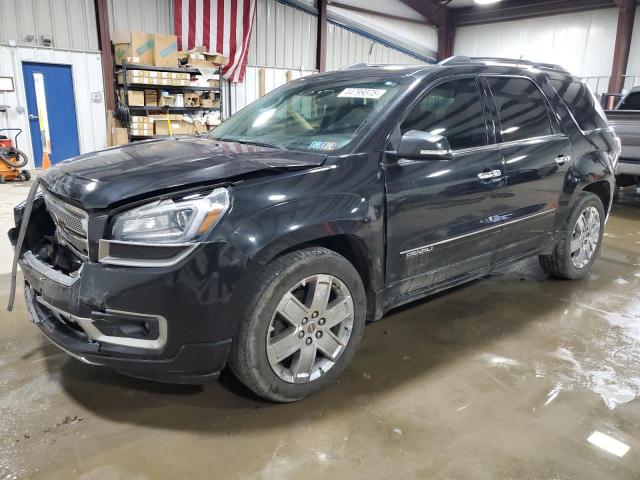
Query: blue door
(52, 111)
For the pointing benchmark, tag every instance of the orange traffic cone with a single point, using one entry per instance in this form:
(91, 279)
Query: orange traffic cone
(46, 163)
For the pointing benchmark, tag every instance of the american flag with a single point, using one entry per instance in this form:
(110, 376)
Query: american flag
(223, 26)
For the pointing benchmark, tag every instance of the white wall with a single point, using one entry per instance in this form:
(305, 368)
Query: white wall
(87, 80)
(633, 68)
(70, 23)
(154, 16)
(583, 43)
(412, 36)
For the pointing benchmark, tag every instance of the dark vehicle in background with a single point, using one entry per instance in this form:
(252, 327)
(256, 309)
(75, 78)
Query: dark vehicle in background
(267, 245)
(625, 120)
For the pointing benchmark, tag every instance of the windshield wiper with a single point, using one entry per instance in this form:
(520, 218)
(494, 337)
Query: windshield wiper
(250, 142)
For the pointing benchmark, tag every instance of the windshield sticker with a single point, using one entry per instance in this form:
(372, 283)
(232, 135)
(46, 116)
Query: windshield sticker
(317, 145)
(362, 92)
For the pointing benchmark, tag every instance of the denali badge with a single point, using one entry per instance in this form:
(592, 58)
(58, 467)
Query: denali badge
(417, 251)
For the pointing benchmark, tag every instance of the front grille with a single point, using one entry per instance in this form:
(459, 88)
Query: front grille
(71, 224)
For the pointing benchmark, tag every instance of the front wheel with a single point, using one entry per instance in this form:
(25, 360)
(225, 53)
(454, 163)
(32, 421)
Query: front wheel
(579, 240)
(302, 324)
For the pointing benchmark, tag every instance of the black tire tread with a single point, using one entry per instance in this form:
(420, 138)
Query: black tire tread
(557, 264)
(239, 361)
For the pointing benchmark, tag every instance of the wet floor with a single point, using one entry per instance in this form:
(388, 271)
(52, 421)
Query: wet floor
(505, 378)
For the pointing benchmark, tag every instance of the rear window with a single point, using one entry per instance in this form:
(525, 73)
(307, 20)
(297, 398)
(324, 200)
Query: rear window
(582, 104)
(522, 108)
(630, 102)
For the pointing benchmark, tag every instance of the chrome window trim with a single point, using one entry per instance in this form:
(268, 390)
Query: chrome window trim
(95, 334)
(104, 255)
(429, 247)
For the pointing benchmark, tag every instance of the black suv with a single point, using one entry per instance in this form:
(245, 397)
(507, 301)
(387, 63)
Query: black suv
(270, 242)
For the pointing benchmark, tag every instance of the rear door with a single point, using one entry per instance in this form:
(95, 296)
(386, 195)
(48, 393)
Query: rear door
(442, 216)
(537, 157)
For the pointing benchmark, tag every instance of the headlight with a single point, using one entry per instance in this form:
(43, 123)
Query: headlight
(169, 221)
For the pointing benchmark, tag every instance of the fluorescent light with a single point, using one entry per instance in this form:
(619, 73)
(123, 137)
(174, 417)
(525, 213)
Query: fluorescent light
(608, 444)
(486, 2)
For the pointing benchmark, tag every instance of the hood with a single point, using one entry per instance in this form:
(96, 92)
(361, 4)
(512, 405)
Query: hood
(100, 179)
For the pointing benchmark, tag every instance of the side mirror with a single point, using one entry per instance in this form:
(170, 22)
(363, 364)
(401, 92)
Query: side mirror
(417, 145)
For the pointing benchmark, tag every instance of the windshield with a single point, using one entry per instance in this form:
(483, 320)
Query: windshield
(315, 117)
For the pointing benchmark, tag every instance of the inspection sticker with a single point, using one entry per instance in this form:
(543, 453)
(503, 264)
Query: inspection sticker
(362, 92)
(318, 145)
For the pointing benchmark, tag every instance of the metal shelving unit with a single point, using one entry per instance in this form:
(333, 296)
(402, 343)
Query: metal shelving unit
(151, 109)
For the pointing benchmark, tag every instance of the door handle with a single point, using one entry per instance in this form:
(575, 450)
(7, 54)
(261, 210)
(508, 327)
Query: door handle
(33, 117)
(562, 159)
(490, 174)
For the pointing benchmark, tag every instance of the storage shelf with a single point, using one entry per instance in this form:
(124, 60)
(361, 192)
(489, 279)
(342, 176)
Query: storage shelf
(153, 68)
(171, 109)
(168, 88)
(181, 135)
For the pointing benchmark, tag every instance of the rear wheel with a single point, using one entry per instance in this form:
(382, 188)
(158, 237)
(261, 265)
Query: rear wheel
(578, 241)
(302, 325)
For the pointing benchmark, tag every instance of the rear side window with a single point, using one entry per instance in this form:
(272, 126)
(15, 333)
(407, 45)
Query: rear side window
(452, 109)
(582, 104)
(522, 108)
(631, 102)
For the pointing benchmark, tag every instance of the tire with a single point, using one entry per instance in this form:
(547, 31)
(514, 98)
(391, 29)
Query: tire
(564, 264)
(25, 175)
(253, 361)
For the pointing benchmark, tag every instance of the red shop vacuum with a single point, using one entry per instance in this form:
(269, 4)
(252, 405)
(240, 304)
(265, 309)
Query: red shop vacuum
(12, 160)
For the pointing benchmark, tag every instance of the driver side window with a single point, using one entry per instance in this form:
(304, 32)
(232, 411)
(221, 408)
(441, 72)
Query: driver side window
(452, 109)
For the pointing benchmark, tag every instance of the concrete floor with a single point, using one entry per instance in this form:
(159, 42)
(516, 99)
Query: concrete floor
(504, 378)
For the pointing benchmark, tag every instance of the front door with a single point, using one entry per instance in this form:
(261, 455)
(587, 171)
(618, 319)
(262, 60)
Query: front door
(537, 157)
(442, 216)
(52, 111)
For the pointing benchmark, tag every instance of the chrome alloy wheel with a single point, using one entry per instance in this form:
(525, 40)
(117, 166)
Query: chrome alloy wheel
(586, 234)
(310, 329)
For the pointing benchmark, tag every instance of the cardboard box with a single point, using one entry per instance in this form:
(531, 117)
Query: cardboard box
(127, 43)
(178, 127)
(214, 83)
(151, 98)
(166, 100)
(165, 50)
(119, 136)
(209, 103)
(191, 100)
(136, 98)
(141, 132)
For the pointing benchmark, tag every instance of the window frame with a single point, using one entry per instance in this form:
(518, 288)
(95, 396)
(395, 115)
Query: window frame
(488, 119)
(553, 121)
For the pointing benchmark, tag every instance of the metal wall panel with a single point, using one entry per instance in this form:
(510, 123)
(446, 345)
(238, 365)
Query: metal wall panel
(154, 16)
(88, 87)
(345, 47)
(70, 23)
(583, 43)
(282, 37)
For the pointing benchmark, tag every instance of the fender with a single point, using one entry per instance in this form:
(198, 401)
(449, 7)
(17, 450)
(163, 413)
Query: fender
(278, 228)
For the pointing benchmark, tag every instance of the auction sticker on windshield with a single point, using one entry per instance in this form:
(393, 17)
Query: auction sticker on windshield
(362, 92)
(318, 145)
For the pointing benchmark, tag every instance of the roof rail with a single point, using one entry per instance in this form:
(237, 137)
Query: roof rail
(461, 60)
(355, 66)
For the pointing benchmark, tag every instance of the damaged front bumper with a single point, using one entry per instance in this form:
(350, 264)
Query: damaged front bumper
(155, 323)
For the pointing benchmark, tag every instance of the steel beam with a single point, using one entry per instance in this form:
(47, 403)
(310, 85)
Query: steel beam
(321, 45)
(626, 17)
(104, 42)
(523, 9)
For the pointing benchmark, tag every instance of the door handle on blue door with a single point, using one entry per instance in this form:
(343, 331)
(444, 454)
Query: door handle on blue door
(33, 117)
(490, 174)
(562, 159)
